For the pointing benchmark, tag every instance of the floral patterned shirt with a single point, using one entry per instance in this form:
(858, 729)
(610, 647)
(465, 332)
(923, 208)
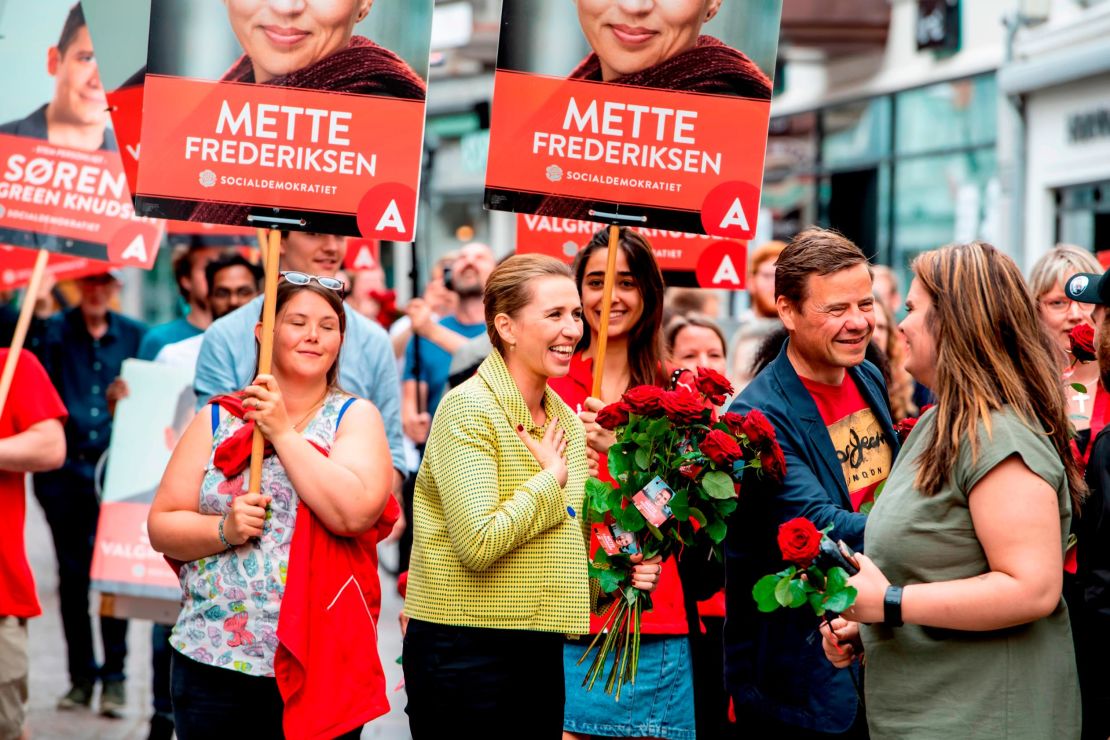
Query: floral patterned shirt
(231, 600)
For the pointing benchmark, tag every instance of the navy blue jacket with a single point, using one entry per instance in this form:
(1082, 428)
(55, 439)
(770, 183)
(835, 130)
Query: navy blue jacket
(774, 664)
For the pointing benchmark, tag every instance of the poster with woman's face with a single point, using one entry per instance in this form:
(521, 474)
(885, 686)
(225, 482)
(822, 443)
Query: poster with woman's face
(62, 186)
(305, 116)
(648, 114)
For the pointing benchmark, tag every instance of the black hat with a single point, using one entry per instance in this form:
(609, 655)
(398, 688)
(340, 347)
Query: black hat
(1086, 287)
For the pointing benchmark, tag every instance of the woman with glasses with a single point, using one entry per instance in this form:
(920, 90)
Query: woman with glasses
(1059, 315)
(250, 563)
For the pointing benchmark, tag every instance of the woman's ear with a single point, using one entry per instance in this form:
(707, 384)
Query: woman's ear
(363, 10)
(258, 332)
(505, 329)
(711, 11)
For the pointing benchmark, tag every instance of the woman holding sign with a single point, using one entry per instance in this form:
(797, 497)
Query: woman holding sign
(498, 572)
(256, 565)
(662, 696)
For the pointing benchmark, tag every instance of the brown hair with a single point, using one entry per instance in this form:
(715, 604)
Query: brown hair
(813, 252)
(900, 385)
(992, 353)
(645, 345)
(765, 251)
(75, 21)
(694, 319)
(509, 288)
(285, 293)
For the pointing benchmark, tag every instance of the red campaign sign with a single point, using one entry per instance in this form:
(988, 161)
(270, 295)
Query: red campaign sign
(126, 106)
(362, 254)
(16, 265)
(80, 197)
(192, 228)
(123, 560)
(716, 263)
(254, 145)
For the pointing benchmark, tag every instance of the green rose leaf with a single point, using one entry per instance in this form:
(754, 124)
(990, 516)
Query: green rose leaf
(597, 493)
(717, 531)
(784, 593)
(618, 461)
(643, 458)
(798, 592)
(698, 516)
(764, 593)
(1079, 387)
(817, 602)
(718, 485)
(841, 600)
(836, 580)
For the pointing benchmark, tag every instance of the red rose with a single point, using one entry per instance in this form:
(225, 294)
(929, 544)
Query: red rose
(721, 448)
(800, 541)
(683, 406)
(904, 427)
(690, 470)
(612, 416)
(758, 429)
(643, 400)
(1082, 339)
(714, 385)
(772, 463)
(734, 422)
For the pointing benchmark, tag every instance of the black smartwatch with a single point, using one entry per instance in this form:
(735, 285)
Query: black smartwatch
(892, 606)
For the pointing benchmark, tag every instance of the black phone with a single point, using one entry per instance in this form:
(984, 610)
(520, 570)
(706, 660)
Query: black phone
(837, 554)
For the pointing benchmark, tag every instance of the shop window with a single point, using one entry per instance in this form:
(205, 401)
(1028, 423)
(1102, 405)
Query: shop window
(855, 133)
(950, 115)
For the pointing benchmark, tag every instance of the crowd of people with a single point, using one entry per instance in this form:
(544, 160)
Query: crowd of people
(470, 420)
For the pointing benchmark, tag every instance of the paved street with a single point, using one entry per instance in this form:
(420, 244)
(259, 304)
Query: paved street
(48, 664)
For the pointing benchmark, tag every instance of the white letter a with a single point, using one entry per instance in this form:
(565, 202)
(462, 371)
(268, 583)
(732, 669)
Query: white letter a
(726, 272)
(735, 216)
(136, 250)
(391, 219)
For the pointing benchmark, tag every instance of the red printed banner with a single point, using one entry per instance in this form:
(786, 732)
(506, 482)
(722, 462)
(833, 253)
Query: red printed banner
(71, 201)
(123, 560)
(310, 151)
(192, 228)
(126, 106)
(714, 262)
(633, 146)
(17, 264)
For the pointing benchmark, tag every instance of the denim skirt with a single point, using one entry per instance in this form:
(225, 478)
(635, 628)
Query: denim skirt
(660, 703)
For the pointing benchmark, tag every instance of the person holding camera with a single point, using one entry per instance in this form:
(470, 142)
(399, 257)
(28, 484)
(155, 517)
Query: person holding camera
(959, 602)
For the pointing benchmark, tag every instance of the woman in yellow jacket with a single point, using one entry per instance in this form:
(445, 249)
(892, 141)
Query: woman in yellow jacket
(498, 574)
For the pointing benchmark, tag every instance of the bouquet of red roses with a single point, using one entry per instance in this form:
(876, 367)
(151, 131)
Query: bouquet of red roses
(677, 468)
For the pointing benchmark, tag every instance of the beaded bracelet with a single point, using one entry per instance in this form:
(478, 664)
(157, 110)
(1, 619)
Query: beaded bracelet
(223, 539)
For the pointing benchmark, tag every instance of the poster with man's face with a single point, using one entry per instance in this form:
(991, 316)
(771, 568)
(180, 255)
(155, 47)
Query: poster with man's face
(305, 116)
(642, 114)
(62, 185)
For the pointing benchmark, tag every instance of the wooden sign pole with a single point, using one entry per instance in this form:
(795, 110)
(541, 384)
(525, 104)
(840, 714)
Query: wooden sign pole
(21, 326)
(266, 354)
(606, 304)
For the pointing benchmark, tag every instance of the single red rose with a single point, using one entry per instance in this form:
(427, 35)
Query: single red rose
(758, 429)
(904, 427)
(690, 470)
(721, 448)
(644, 400)
(734, 422)
(800, 541)
(772, 463)
(683, 406)
(612, 416)
(1082, 339)
(714, 385)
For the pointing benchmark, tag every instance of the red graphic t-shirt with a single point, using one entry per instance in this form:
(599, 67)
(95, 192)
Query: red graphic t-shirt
(860, 442)
(32, 399)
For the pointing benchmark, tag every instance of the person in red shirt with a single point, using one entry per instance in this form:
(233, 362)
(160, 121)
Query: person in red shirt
(663, 696)
(32, 440)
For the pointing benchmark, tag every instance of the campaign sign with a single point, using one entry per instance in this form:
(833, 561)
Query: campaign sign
(654, 113)
(119, 30)
(685, 259)
(62, 186)
(283, 115)
(145, 429)
(16, 266)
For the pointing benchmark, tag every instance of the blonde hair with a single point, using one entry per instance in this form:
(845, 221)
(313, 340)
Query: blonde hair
(1057, 265)
(509, 288)
(901, 385)
(992, 353)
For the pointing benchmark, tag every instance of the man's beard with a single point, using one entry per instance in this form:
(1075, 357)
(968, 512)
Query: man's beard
(764, 308)
(469, 292)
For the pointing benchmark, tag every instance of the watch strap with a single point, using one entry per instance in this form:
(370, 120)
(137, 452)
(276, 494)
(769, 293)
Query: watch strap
(892, 606)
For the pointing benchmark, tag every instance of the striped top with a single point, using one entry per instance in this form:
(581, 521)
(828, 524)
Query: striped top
(497, 543)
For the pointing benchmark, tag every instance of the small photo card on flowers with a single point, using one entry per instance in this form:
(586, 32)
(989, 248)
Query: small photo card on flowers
(614, 540)
(652, 500)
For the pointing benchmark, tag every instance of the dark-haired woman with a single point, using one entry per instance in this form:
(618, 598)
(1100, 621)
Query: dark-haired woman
(327, 475)
(662, 696)
(959, 607)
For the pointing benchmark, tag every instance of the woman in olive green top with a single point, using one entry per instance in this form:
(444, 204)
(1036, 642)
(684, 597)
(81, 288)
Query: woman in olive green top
(964, 631)
(498, 573)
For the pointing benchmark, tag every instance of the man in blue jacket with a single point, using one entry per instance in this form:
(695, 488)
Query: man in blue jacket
(831, 416)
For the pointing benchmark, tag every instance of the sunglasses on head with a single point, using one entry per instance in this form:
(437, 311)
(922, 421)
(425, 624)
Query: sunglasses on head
(303, 278)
